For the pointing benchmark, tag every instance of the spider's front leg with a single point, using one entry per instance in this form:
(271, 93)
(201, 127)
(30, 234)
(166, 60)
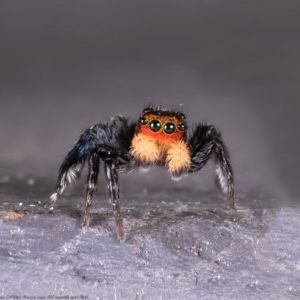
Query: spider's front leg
(94, 162)
(205, 143)
(114, 191)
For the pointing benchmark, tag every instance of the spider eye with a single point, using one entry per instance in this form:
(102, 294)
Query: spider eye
(169, 128)
(155, 125)
(143, 121)
(182, 116)
(181, 127)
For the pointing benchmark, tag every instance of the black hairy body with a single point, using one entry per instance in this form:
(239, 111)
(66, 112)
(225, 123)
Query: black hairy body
(159, 137)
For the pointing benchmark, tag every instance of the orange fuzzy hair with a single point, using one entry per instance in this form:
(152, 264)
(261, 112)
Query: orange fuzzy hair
(158, 147)
(161, 136)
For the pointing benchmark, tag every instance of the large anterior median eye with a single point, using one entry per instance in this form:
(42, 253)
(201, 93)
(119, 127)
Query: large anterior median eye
(143, 121)
(155, 125)
(169, 128)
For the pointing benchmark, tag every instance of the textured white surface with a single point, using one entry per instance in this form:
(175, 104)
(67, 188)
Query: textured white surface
(180, 243)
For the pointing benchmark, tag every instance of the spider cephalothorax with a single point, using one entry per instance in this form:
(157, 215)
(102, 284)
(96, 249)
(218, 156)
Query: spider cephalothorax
(159, 137)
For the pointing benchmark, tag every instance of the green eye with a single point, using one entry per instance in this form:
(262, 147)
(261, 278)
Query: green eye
(169, 128)
(181, 127)
(143, 121)
(155, 125)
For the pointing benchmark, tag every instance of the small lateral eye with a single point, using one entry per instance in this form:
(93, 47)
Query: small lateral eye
(182, 127)
(155, 125)
(182, 116)
(143, 121)
(169, 128)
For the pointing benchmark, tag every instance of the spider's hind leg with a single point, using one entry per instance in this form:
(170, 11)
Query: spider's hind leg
(206, 143)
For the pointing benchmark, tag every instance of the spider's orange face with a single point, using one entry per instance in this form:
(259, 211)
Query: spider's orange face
(162, 125)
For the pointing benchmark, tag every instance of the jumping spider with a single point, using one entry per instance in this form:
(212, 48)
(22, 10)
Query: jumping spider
(159, 137)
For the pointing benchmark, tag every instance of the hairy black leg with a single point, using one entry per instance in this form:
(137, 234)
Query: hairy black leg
(206, 143)
(224, 171)
(72, 165)
(113, 188)
(93, 162)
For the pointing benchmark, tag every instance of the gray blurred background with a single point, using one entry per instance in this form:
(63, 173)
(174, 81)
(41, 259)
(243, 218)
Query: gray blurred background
(65, 65)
